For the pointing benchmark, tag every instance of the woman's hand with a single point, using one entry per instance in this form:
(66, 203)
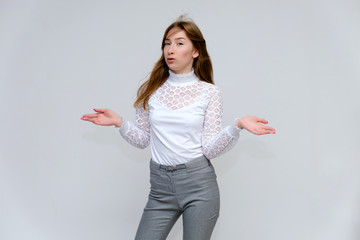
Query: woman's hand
(254, 125)
(103, 117)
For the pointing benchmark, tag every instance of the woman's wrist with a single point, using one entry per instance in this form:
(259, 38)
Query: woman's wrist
(119, 122)
(238, 124)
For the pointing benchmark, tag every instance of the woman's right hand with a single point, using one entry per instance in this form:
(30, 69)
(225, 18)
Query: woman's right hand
(104, 117)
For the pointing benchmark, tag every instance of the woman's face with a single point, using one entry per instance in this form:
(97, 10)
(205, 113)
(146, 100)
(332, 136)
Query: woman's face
(179, 51)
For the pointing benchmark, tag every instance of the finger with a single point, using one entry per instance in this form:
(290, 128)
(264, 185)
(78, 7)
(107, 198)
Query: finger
(268, 131)
(262, 131)
(256, 131)
(268, 128)
(87, 119)
(262, 120)
(96, 121)
(99, 110)
(93, 115)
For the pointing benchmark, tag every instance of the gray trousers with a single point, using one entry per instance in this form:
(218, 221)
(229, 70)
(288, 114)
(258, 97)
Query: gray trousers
(191, 192)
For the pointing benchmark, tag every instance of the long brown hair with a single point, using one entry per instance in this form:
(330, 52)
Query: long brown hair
(202, 64)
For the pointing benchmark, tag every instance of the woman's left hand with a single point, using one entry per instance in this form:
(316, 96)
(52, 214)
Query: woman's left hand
(255, 125)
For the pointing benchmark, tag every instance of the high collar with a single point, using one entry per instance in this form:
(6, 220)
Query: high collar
(182, 79)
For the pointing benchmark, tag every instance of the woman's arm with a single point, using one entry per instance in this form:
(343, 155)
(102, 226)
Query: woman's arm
(217, 140)
(137, 134)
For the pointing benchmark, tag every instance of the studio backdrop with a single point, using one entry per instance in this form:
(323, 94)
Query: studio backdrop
(295, 63)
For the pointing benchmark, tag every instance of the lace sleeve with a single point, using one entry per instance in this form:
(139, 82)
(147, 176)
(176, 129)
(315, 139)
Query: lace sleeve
(137, 134)
(215, 139)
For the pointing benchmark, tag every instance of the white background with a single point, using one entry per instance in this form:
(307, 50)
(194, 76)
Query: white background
(295, 63)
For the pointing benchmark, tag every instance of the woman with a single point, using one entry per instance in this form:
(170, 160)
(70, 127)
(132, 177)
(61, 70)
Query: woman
(179, 113)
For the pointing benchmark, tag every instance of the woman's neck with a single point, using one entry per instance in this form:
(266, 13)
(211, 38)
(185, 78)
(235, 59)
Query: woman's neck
(182, 79)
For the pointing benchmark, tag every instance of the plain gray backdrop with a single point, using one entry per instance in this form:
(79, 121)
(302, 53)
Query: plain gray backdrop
(295, 63)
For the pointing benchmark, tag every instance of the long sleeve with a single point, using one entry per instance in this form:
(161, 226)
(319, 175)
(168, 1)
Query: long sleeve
(138, 133)
(215, 139)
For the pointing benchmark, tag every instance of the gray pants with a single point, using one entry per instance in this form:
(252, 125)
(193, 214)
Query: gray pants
(192, 192)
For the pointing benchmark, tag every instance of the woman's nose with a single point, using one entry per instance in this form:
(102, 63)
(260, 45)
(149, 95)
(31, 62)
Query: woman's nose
(171, 49)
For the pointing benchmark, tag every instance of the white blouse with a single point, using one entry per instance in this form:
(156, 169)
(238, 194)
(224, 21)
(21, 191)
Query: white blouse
(182, 121)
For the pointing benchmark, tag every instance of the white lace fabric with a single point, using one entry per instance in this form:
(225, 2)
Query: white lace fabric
(137, 134)
(182, 120)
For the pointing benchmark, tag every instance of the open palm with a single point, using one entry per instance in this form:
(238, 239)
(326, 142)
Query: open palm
(103, 117)
(255, 125)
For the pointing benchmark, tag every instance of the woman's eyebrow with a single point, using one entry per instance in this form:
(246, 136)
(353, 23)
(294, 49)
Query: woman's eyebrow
(179, 38)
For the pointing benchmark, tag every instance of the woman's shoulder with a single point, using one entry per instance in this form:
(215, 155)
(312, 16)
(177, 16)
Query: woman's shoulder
(211, 88)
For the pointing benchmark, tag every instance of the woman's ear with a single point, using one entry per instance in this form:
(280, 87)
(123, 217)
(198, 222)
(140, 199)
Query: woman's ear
(195, 53)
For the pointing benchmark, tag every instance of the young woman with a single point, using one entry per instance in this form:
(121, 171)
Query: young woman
(179, 113)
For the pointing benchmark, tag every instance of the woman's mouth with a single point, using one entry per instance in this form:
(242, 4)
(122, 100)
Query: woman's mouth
(170, 60)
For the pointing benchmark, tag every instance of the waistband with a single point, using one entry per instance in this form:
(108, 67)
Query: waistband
(194, 164)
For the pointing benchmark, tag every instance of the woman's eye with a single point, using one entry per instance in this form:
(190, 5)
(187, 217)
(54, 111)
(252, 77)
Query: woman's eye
(167, 43)
(180, 43)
